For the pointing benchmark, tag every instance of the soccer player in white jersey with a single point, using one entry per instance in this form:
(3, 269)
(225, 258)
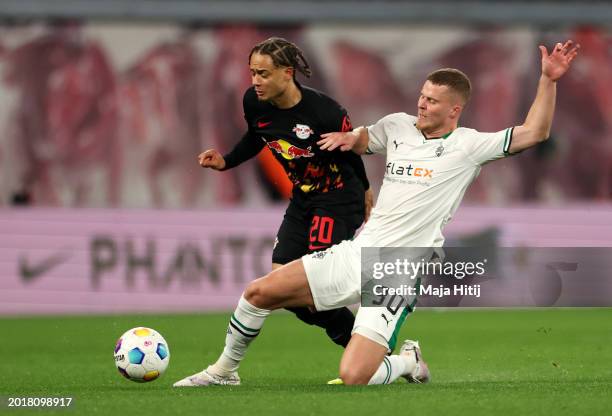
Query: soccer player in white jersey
(430, 163)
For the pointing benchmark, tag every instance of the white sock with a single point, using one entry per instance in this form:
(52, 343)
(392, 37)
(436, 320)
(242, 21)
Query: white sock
(391, 368)
(243, 327)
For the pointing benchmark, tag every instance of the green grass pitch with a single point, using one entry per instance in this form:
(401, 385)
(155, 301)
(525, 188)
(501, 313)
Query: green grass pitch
(522, 362)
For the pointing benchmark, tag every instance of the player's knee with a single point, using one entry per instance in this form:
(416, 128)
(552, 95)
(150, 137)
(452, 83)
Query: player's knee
(255, 294)
(261, 293)
(354, 376)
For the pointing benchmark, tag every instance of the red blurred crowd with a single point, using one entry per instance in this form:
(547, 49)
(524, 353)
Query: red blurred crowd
(92, 123)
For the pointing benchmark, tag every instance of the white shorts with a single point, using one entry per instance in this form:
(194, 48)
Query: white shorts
(334, 277)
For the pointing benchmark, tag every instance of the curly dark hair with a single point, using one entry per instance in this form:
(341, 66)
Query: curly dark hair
(283, 53)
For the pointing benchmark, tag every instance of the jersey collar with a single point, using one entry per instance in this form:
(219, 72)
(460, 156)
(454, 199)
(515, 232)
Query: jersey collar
(434, 138)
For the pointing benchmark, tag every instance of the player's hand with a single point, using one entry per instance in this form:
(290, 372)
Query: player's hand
(331, 141)
(211, 159)
(369, 203)
(558, 62)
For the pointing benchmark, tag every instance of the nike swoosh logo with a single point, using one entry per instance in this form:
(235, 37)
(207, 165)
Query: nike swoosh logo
(262, 124)
(29, 272)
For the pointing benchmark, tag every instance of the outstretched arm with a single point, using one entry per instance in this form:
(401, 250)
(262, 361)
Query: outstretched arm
(356, 140)
(246, 149)
(536, 127)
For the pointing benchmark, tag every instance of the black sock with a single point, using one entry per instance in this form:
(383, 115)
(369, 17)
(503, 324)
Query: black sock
(338, 323)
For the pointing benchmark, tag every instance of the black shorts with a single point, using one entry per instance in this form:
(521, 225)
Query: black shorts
(316, 222)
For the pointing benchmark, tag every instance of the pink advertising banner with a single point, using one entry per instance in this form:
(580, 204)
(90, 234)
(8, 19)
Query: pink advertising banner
(112, 261)
(90, 261)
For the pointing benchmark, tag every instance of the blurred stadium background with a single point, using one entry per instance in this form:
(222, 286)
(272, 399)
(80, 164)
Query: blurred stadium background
(104, 106)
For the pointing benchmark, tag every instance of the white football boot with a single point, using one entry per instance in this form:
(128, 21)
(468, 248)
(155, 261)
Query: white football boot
(208, 378)
(412, 351)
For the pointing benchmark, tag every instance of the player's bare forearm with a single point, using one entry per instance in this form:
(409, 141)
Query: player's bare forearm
(538, 122)
(356, 140)
(363, 138)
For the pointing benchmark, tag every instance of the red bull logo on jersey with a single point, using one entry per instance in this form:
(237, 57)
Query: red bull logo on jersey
(419, 172)
(302, 131)
(289, 151)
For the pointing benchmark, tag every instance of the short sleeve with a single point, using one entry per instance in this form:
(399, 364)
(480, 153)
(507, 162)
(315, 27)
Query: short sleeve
(334, 116)
(378, 134)
(482, 148)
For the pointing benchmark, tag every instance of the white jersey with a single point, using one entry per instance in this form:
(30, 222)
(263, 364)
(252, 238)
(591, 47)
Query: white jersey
(425, 179)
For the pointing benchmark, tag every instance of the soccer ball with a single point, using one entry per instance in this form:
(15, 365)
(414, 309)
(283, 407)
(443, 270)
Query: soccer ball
(141, 354)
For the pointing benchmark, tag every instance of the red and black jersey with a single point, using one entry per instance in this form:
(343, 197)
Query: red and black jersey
(292, 135)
